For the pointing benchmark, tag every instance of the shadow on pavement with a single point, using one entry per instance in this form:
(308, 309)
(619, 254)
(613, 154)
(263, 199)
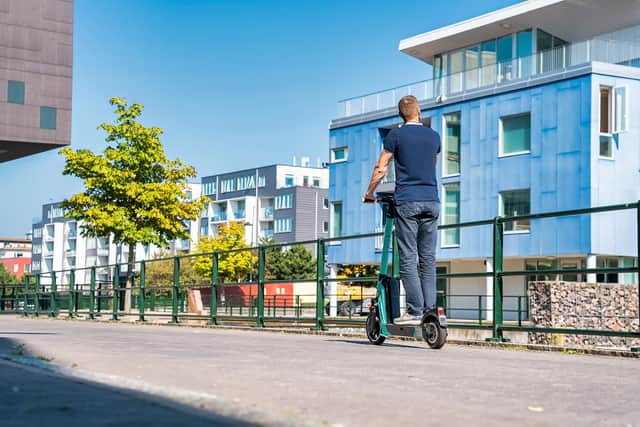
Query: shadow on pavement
(363, 342)
(36, 397)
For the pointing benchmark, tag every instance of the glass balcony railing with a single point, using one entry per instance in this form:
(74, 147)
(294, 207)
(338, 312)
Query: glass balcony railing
(554, 60)
(267, 213)
(239, 214)
(221, 216)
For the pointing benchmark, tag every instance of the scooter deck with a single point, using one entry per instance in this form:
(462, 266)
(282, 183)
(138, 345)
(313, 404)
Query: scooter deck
(404, 331)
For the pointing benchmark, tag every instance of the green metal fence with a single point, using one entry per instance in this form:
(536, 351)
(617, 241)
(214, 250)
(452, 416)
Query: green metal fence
(103, 291)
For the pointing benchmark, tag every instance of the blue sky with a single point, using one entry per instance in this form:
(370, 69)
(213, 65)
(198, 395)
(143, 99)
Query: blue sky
(234, 84)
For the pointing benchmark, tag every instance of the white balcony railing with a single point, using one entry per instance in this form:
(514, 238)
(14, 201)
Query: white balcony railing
(494, 75)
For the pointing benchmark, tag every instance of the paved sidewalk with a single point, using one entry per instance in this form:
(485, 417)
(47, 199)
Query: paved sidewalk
(317, 380)
(33, 397)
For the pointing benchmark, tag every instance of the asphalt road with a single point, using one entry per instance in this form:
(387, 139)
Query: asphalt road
(287, 379)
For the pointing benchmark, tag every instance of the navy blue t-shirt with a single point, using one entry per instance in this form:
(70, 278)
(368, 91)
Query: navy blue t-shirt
(414, 149)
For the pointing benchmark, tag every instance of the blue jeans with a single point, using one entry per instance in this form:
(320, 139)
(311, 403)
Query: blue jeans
(417, 234)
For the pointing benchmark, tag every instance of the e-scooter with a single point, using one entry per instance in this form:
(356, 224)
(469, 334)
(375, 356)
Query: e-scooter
(386, 305)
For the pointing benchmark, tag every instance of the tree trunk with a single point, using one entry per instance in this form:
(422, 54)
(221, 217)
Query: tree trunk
(131, 261)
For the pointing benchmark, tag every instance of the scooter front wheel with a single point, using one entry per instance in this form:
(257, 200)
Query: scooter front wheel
(434, 334)
(373, 327)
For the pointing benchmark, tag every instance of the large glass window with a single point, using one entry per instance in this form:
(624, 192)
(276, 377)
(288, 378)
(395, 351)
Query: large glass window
(15, 92)
(620, 108)
(439, 71)
(451, 237)
(488, 58)
(606, 262)
(455, 71)
(452, 144)
(524, 51)
(505, 58)
(471, 64)
(606, 128)
(336, 230)
(284, 201)
(48, 118)
(514, 203)
(288, 181)
(515, 135)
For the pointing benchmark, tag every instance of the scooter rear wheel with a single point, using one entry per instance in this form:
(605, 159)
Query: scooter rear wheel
(434, 334)
(373, 327)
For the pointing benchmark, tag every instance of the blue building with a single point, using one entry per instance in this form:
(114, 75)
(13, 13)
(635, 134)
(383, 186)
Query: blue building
(536, 114)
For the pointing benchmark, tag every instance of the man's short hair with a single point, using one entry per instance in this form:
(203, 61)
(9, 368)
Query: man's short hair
(408, 107)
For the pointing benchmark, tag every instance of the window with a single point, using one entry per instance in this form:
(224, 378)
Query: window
(505, 56)
(537, 267)
(282, 225)
(455, 71)
(515, 134)
(620, 108)
(209, 188)
(325, 203)
(337, 219)
(48, 117)
(488, 58)
(339, 154)
(262, 181)
(91, 243)
(284, 201)
(228, 185)
(524, 50)
(15, 92)
(246, 182)
(471, 63)
(452, 144)
(288, 181)
(37, 233)
(451, 237)
(605, 110)
(606, 262)
(305, 181)
(325, 227)
(316, 182)
(514, 203)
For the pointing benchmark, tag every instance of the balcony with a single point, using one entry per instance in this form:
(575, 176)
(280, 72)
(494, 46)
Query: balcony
(239, 214)
(266, 214)
(492, 76)
(221, 216)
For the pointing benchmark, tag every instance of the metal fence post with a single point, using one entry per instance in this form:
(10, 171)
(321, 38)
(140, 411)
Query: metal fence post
(174, 293)
(2, 297)
(213, 309)
(261, 273)
(116, 292)
(320, 285)
(92, 294)
(498, 239)
(26, 295)
(52, 296)
(71, 285)
(141, 301)
(36, 297)
(638, 255)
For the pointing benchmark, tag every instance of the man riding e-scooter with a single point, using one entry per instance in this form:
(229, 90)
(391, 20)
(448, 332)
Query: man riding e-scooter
(415, 149)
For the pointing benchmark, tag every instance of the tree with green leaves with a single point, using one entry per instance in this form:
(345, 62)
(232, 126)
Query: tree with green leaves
(7, 277)
(132, 190)
(232, 266)
(288, 263)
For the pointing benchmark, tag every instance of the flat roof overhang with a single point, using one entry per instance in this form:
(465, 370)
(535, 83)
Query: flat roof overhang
(571, 20)
(11, 150)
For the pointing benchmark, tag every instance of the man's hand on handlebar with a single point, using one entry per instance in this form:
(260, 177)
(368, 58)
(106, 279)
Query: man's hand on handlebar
(369, 198)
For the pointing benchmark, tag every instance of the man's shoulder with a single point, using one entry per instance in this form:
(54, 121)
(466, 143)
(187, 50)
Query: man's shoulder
(423, 131)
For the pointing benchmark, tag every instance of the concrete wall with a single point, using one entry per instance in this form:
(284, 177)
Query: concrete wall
(35, 48)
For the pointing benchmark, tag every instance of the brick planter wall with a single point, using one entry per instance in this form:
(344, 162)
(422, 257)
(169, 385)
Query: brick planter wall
(584, 306)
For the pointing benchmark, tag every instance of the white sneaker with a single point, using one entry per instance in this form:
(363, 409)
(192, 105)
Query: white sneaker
(408, 320)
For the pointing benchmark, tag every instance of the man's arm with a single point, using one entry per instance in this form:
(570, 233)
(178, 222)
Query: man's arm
(379, 171)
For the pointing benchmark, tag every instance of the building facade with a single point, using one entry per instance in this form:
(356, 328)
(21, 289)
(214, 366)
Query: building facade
(15, 254)
(536, 114)
(36, 46)
(288, 203)
(58, 245)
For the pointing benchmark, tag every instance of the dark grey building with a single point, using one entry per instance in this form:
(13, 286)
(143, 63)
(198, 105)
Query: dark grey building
(36, 46)
(288, 203)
